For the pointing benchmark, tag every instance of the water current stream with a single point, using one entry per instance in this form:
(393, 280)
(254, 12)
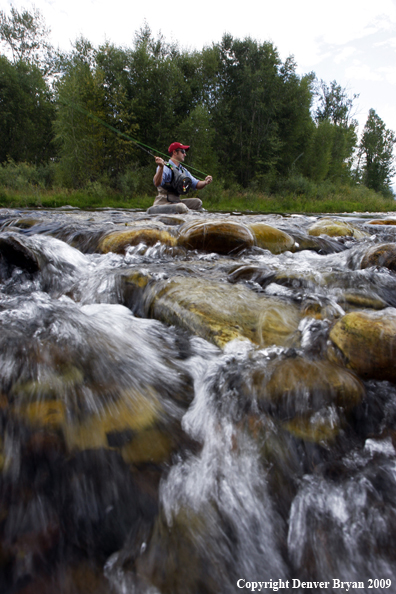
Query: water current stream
(196, 414)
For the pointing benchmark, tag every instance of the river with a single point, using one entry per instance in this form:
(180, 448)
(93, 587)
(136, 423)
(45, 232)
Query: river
(184, 417)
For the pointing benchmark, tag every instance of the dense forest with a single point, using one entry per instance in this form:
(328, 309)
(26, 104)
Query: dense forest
(67, 119)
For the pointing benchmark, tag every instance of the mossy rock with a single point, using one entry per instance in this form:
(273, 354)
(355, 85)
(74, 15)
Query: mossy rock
(119, 241)
(380, 255)
(299, 386)
(270, 238)
(50, 386)
(334, 228)
(365, 341)
(26, 223)
(49, 414)
(153, 446)
(362, 300)
(221, 237)
(382, 222)
(315, 428)
(222, 312)
(131, 414)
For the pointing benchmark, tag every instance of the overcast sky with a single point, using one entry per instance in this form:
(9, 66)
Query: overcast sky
(350, 41)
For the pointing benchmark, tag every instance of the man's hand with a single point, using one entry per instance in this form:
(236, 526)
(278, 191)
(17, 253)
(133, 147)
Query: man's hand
(208, 179)
(159, 161)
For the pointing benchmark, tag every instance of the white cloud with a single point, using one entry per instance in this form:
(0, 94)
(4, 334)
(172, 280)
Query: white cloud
(390, 75)
(359, 71)
(344, 54)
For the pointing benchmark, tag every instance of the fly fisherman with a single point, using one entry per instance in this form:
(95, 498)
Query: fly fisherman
(174, 181)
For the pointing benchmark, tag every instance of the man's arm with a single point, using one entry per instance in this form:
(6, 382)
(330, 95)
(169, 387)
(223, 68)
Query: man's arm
(157, 179)
(205, 182)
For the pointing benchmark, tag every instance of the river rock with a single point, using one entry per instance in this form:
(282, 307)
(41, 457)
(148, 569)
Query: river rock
(222, 237)
(365, 341)
(116, 424)
(177, 208)
(221, 312)
(119, 240)
(309, 398)
(14, 253)
(153, 446)
(334, 228)
(270, 238)
(299, 386)
(382, 222)
(380, 255)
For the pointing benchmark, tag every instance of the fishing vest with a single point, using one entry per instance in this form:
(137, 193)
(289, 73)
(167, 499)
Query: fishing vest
(180, 182)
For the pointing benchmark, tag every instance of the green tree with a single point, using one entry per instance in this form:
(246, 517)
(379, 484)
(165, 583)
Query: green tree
(197, 131)
(335, 106)
(89, 109)
(376, 159)
(247, 97)
(26, 113)
(26, 35)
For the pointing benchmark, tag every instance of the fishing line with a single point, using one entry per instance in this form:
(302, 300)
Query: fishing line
(142, 146)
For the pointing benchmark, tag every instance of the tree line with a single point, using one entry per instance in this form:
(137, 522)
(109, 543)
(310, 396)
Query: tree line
(251, 120)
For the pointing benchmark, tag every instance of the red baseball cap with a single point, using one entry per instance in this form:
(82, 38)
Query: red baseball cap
(176, 145)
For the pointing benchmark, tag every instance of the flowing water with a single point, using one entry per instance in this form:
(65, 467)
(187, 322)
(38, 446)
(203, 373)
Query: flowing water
(137, 456)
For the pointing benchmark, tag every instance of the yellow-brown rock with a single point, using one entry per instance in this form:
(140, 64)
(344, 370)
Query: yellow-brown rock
(334, 228)
(221, 237)
(382, 222)
(49, 414)
(133, 412)
(383, 254)
(220, 312)
(309, 398)
(270, 238)
(297, 385)
(151, 446)
(119, 240)
(315, 428)
(365, 341)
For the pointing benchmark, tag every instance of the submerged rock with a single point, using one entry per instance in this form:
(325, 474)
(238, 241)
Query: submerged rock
(271, 238)
(297, 386)
(365, 342)
(221, 312)
(334, 228)
(382, 222)
(119, 240)
(222, 237)
(380, 255)
(308, 397)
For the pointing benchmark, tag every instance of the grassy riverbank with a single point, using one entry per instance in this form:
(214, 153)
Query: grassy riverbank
(315, 199)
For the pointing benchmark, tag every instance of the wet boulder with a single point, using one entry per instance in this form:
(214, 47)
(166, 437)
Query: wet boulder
(335, 228)
(296, 386)
(176, 208)
(119, 241)
(309, 397)
(271, 238)
(14, 253)
(221, 237)
(365, 341)
(221, 312)
(380, 255)
(262, 275)
(382, 222)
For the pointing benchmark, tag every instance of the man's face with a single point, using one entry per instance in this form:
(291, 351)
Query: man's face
(180, 155)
